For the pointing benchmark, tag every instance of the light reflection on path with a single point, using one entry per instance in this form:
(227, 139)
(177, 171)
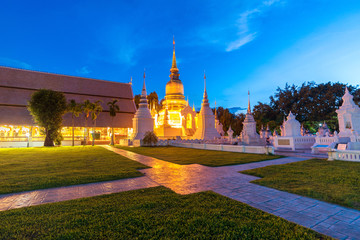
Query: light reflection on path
(329, 219)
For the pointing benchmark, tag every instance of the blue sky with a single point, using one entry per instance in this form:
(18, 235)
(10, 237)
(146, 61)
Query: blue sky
(254, 45)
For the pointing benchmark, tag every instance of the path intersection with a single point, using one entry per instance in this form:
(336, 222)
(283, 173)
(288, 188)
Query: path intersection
(329, 219)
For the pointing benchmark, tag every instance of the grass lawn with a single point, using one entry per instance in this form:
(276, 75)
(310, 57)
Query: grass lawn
(153, 213)
(210, 158)
(37, 168)
(331, 181)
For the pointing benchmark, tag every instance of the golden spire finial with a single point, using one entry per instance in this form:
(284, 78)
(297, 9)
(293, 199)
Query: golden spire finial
(174, 57)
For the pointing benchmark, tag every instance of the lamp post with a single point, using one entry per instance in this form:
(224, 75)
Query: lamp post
(28, 140)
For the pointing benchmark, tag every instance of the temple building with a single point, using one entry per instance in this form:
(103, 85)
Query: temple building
(17, 128)
(176, 118)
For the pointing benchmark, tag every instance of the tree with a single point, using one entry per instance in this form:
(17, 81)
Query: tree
(96, 109)
(87, 108)
(153, 101)
(75, 109)
(47, 108)
(150, 138)
(113, 109)
(312, 103)
(137, 100)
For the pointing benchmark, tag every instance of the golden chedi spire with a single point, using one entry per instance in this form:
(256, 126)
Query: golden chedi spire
(174, 71)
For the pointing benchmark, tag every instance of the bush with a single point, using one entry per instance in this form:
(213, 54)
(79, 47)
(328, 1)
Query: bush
(150, 138)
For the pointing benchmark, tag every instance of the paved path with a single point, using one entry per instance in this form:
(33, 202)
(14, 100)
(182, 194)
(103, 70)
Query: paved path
(329, 219)
(32, 198)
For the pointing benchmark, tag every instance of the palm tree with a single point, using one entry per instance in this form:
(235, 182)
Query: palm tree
(75, 109)
(96, 109)
(87, 108)
(113, 108)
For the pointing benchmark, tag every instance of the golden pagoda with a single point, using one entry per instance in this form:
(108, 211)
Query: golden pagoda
(176, 118)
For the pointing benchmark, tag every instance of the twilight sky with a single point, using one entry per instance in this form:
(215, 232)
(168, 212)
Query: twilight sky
(243, 45)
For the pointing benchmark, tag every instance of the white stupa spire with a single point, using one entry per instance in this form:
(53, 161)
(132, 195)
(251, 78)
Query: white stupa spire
(142, 121)
(206, 121)
(205, 98)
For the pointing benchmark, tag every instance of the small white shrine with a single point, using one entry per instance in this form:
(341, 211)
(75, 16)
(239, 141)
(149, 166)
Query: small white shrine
(348, 116)
(206, 121)
(265, 133)
(291, 137)
(249, 135)
(142, 121)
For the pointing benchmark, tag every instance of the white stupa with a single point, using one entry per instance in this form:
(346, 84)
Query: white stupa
(206, 120)
(248, 134)
(291, 127)
(142, 121)
(348, 116)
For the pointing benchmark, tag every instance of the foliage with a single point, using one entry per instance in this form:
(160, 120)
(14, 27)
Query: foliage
(312, 103)
(95, 110)
(227, 119)
(63, 166)
(137, 100)
(153, 213)
(209, 158)
(59, 138)
(332, 181)
(75, 109)
(153, 99)
(150, 138)
(113, 109)
(47, 108)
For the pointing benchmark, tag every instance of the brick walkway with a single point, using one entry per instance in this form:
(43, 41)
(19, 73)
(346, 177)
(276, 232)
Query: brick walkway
(329, 219)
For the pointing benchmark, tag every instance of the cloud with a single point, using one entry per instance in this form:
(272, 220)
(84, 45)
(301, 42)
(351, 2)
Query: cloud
(83, 71)
(8, 62)
(240, 42)
(244, 33)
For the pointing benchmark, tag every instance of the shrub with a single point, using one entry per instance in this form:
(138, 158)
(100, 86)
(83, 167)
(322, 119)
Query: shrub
(150, 138)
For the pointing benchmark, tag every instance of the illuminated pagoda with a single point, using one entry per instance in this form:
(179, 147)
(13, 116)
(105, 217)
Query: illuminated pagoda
(176, 118)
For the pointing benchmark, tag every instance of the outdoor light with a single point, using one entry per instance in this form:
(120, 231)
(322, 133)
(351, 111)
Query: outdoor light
(28, 139)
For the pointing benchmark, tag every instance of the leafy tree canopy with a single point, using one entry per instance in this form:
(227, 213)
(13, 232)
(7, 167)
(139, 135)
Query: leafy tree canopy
(312, 103)
(47, 108)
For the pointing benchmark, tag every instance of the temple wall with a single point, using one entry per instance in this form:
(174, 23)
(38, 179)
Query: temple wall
(16, 87)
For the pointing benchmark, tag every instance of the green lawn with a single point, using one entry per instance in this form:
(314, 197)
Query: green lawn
(331, 181)
(37, 168)
(154, 213)
(210, 158)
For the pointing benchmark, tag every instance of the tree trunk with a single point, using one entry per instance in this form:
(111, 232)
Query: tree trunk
(93, 134)
(73, 138)
(112, 132)
(85, 132)
(48, 141)
(112, 136)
